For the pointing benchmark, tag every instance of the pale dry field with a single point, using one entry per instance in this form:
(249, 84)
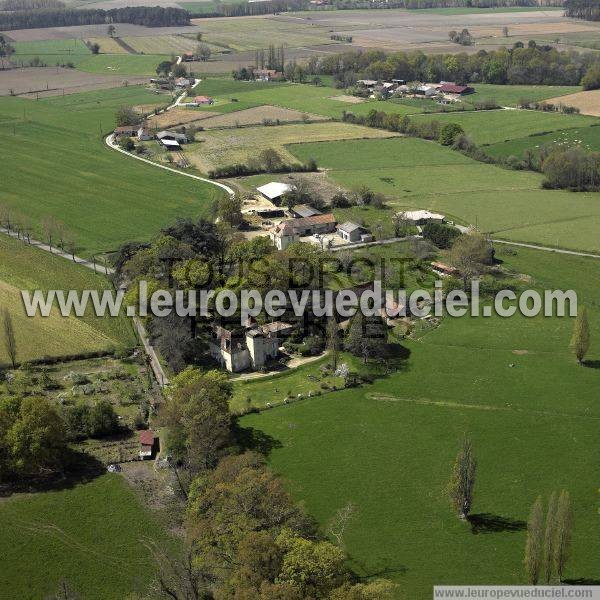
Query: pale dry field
(180, 116)
(256, 116)
(348, 99)
(228, 146)
(54, 81)
(587, 102)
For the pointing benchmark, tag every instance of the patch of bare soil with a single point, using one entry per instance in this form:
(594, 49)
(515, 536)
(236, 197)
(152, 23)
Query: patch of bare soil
(587, 102)
(40, 82)
(520, 352)
(348, 99)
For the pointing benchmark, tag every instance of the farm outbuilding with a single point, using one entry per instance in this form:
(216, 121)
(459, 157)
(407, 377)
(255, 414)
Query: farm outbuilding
(147, 442)
(274, 190)
(180, 138)
(127, 131)
(351, 232)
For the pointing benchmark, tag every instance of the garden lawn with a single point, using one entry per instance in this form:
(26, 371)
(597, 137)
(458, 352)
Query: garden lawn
(415, 173)
(59, 165)
(531, 411)
(91, 535)
(24, 267)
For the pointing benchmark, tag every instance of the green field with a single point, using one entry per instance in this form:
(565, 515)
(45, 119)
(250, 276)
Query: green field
(304, 97)
(74, 51)
(419, 174)
(488, 127)
(510, 95)
(586, 137)
(91, 535)
(230, 146)
(388, 447)
(24, 267)
(59, 165)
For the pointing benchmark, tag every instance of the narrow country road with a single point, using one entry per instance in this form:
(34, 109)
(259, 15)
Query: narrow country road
(111, 143)
(157, 369)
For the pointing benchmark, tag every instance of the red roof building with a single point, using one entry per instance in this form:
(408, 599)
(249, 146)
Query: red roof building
(452, 88)
(203, 100)
(146, 444)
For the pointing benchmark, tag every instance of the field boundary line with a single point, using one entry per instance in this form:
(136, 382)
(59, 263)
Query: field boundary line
(547, 248)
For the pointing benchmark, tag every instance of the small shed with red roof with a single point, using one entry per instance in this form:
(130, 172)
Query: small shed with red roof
(147, 441)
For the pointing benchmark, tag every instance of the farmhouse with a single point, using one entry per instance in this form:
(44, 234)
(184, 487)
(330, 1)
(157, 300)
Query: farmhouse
(126, 130)
(289, 231)
(421, 217)
(274, 190)
(283, 235)
(303, 210)
(199, 100)
(353, 232)
(238, 349)
(187, 56)
(147, 440)
(182, 82)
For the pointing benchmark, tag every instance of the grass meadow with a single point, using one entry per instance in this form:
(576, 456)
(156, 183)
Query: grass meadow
(586, 137)
(229, 146)
(488, 127)
(23, 267)
(90, 535)
(415, 173)
(59, 165)
(63, 51)
(531, 411)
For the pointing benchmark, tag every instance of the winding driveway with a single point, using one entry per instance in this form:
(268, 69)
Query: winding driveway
(111, 143)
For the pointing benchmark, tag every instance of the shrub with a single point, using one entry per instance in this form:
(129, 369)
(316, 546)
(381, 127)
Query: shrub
(449, 133)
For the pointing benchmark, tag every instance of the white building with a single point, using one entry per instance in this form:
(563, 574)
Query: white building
(274, 190)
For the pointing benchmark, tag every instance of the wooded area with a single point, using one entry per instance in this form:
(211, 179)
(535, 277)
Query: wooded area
(155, 16)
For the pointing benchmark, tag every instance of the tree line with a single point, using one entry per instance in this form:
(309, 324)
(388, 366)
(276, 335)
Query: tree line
(155, 16)
(533, 64)
(583, 9)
